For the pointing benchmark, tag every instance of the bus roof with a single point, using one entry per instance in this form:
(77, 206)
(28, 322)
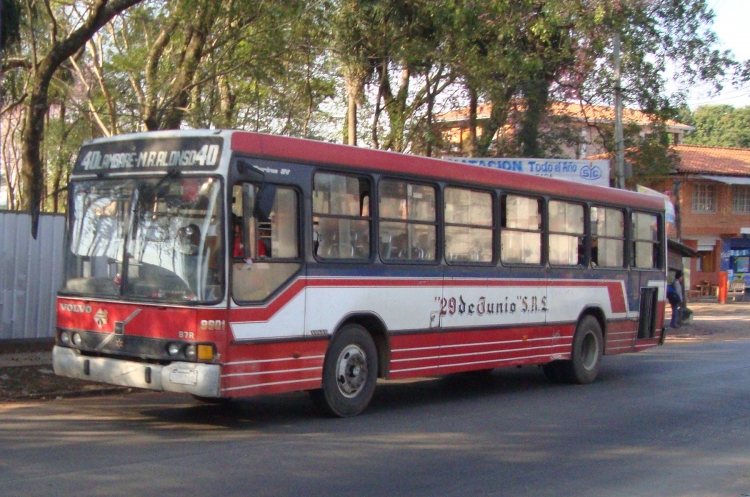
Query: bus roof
(321, 153)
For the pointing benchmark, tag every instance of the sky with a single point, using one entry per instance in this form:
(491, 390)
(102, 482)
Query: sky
(730, 24)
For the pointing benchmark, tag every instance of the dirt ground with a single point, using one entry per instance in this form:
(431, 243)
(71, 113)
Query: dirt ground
(26, 373)
(713, 321)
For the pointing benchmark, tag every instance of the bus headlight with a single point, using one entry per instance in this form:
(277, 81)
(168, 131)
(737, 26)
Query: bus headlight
(173, 348)
(190, 351)
(77, 339)
(65, 338)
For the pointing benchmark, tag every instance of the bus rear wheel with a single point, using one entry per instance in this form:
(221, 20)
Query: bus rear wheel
(586, 355)
(350, 372)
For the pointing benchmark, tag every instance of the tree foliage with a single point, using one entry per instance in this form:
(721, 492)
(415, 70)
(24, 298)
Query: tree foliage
(719, 126)
(383, 71)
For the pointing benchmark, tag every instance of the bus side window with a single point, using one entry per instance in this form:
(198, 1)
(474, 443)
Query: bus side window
(468, 226)
(566, 233)
(341, 217)
(271, 246)
(645, 235)
(407, 221)
(607, 237)
(521, 235)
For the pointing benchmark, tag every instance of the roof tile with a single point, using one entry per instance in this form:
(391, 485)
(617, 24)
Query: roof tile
(714, 160)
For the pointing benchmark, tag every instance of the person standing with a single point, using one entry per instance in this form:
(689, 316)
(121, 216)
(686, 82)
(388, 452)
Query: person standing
(675, 298)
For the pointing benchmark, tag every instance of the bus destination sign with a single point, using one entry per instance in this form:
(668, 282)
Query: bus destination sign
(154, 153)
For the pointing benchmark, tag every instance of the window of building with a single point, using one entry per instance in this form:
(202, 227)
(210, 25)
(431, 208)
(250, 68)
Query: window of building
(566, 235)
(408, 221)
(646, 247)
(704, 197)
(741, 199)
(607, 237)
(468, 226)
(521, 237)
(341, 217)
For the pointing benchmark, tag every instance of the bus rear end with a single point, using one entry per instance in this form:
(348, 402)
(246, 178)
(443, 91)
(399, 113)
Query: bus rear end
(143, 302)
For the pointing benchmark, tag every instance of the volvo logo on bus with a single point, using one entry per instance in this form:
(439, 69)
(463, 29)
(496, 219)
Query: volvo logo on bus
(75, 308)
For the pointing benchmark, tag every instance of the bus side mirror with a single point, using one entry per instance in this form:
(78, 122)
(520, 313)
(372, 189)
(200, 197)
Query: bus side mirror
(264, 201)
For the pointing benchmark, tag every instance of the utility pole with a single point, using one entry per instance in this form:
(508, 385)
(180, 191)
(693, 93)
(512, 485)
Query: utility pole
(619, 140)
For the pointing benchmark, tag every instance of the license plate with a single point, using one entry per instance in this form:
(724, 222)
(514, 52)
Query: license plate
(183, 376)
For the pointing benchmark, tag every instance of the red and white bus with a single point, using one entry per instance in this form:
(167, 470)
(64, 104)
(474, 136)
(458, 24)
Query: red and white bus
(231, 264)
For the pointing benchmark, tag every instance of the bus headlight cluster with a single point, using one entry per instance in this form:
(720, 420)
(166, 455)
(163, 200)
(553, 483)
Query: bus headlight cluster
(68, 339)
(192, 351)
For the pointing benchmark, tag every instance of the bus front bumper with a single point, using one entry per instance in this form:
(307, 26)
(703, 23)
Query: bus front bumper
(203, 380)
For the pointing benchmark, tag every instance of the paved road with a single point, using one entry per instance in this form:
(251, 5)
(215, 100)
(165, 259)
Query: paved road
(673, 421)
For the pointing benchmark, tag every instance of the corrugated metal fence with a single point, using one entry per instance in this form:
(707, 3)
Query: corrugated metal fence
(31, 272)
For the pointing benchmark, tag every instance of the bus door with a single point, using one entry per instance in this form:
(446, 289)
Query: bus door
(265, 257)
(646, 278)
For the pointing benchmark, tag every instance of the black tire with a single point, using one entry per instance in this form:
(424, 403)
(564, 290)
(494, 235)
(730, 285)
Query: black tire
(553, 371)
(587, 353)
(350, 372)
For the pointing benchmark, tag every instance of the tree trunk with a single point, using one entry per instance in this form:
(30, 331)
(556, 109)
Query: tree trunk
(32, 168)
(471, 146)
(353, 87)
(536, 93)
(351, 120)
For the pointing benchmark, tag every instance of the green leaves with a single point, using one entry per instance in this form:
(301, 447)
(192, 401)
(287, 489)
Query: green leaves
(720, 126)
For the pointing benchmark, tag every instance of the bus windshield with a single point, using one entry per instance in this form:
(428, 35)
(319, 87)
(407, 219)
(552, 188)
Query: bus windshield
(151, 239)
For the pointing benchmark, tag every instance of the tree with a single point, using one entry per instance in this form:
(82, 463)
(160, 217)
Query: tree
(251, 65)
(720, 126)
(666, 44)
(43, 68)
(520, 57)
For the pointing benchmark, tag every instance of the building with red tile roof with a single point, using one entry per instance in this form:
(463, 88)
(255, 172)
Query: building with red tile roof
(587, 118)
(713, 160)
(711, 190)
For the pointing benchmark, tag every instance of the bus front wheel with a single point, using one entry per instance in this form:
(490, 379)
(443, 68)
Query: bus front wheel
(350, 372)
(586, 355)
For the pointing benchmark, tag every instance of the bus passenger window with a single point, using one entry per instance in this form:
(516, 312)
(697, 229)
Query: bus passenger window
(341, 217)
(646, 248)
(407, 221)
(268, 250)
(521, 236)
(566, 234)
(607, 237)
(468, 226)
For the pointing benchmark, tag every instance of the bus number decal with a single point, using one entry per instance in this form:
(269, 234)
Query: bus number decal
(212, 324)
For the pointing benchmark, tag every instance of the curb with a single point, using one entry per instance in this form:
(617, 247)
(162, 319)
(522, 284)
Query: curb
(71, 394)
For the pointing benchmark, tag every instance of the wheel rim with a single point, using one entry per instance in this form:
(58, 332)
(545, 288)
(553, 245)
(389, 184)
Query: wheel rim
(589, 351)
(351, 370)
